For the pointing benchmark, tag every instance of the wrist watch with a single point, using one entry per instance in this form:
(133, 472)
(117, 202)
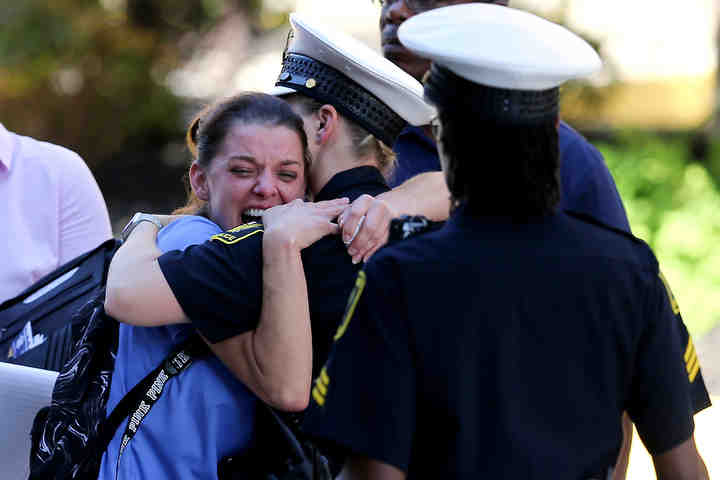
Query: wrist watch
(136, 220)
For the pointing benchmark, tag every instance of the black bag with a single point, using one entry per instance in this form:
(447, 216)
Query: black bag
(64, 435)
(279, 452)
(48, 308)
(70, 436)
(66, 306)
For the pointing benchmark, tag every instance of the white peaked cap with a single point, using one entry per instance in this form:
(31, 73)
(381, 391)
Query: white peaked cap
(499, 46)
(384, 80)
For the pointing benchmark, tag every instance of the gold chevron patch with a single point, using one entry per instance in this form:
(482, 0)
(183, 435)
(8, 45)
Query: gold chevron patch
(320, 389)
(692, 363)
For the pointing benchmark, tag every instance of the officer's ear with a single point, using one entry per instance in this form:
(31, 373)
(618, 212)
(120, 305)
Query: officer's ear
(326, 124)
(198, 182)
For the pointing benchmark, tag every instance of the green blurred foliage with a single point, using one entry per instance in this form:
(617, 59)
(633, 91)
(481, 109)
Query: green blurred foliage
(90, 74)
(673, 203)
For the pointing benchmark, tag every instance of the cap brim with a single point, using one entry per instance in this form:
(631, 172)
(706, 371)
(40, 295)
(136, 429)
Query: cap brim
(280, 91)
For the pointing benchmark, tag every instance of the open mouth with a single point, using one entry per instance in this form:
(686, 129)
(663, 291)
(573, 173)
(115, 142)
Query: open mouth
(252, 215)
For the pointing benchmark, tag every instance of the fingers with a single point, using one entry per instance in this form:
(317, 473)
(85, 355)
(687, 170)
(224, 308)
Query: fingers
(355, 232)
(370, 252)
(330, 208)
(365, 226)
(350, 218)
(373, 234)
(298, 208)
(343, 202)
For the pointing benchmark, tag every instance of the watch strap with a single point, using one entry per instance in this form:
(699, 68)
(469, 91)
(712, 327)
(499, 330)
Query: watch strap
(136, 220)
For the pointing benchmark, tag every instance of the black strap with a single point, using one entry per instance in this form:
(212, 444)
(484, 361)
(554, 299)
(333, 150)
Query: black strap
(148, 388)
(173, 364)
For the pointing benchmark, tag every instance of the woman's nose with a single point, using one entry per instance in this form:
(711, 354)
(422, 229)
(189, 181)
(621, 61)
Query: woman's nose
(264, 186)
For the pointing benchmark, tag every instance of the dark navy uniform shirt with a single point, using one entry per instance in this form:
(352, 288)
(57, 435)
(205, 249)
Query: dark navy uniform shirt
(586, 183)
(219, 283)
(492, 349)
(587, 187)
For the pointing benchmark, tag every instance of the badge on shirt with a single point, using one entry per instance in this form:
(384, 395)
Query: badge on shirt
(238, 233)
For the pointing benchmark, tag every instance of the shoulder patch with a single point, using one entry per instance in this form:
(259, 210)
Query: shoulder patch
(671, 298)
(408, 226)
(238, 233)
(246, 226)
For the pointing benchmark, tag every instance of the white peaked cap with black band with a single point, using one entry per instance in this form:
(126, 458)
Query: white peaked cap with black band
(509, 61)
(335, 68)
(499, 46)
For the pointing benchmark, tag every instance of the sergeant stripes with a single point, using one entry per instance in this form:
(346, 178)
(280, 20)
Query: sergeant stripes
(692, 363)
(320, 389)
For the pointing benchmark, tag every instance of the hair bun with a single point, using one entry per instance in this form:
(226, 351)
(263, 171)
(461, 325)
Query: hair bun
(191, 138)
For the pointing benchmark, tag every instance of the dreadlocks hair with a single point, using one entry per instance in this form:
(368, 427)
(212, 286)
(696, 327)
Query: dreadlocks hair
(494, 167)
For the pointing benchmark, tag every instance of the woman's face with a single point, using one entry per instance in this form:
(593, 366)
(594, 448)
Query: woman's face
(257, 167)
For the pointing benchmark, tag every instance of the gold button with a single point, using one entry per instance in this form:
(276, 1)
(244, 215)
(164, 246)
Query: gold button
(310, 83)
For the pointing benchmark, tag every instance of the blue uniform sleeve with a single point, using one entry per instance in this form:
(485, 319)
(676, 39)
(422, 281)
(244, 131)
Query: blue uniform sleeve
(364, 398)
(587, 185)
(699, 396)
(186, 231)
(659, 401)
(218, 284)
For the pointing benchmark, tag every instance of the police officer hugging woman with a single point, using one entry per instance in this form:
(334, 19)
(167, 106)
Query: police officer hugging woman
(507, 344)
(244, 289)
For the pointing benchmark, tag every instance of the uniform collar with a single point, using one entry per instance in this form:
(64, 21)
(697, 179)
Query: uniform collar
(419, 134)
(6, 148)
(460, 219)
(342, 183)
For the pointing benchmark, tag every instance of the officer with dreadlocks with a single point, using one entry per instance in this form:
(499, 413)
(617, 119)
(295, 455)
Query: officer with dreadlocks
(508, 343)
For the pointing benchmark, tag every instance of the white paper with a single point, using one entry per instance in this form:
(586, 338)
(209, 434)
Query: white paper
(23, 391)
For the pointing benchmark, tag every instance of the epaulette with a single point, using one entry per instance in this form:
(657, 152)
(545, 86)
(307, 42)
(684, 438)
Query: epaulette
(584, 217)
(408, 226)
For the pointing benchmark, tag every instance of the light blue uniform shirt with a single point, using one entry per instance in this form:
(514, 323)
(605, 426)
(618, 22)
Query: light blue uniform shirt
(203, 414)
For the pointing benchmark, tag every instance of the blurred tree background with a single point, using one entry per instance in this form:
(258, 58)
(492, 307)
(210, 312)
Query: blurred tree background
(93, 75)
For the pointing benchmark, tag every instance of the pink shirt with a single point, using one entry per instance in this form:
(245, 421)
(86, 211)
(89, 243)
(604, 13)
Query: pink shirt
(51, 210)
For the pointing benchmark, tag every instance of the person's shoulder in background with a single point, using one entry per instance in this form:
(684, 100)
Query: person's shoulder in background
(83, 219)
(587, 185)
